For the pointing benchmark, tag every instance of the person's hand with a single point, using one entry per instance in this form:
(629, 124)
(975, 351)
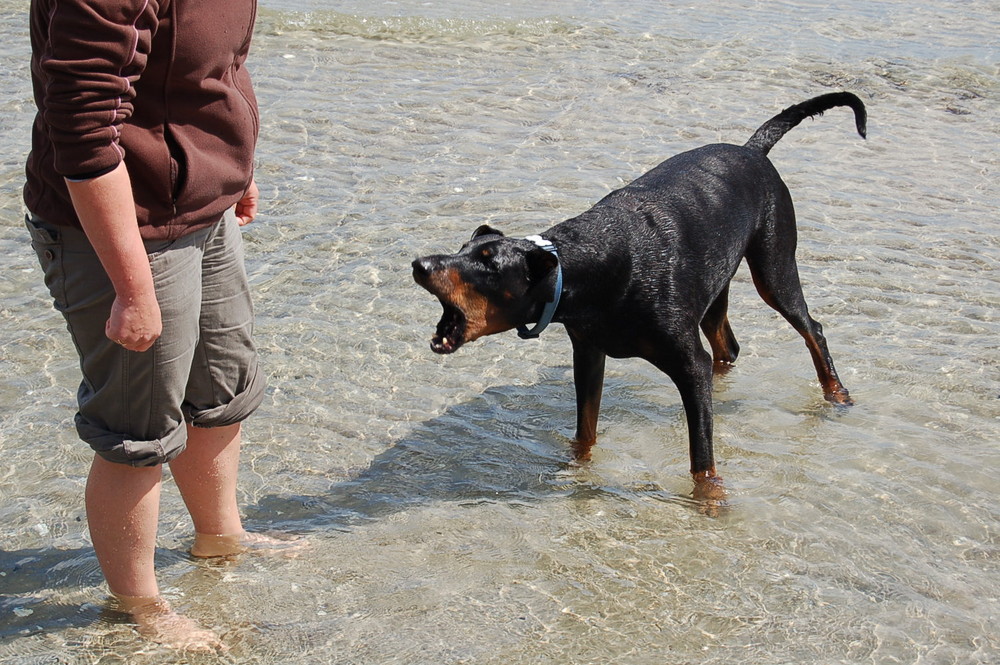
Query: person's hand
(246, 209)
(135, 321)
(106, 210)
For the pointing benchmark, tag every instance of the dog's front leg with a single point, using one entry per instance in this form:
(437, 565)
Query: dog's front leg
(588, 377)
(690, 368)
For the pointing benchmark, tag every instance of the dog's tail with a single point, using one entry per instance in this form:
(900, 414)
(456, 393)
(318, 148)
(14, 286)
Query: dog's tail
(772, 130)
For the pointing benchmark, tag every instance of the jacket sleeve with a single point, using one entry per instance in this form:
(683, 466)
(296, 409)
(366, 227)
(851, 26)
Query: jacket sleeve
(91, 56)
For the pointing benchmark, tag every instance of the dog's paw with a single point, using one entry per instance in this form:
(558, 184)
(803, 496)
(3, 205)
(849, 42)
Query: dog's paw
(709, 493)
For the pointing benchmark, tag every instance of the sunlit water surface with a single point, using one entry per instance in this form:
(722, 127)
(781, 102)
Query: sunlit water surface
(446, 521)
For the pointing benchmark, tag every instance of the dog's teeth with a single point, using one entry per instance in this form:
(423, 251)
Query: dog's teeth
(444, 341)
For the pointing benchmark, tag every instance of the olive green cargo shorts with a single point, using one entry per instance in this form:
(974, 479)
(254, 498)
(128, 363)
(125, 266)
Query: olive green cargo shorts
(134, 407)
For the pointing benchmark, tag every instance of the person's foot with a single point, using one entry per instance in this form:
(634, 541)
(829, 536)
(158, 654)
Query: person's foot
(158, 622)
(207, 546)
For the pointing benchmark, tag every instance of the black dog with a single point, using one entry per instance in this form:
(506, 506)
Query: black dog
(641, 271)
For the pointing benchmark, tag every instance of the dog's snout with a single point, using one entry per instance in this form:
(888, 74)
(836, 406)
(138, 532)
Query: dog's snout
(420, 267)
(423, 267)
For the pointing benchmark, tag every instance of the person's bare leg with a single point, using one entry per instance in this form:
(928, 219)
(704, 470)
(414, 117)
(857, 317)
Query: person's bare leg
(123, 509)
(206, 475)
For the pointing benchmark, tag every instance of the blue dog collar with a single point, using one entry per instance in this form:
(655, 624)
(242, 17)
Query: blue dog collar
(550, 307)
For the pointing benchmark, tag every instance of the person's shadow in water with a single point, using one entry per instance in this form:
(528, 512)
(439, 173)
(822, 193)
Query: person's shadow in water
(25, 578)
(511, 443)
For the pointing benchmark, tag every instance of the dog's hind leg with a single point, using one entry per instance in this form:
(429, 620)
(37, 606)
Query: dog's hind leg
(715, 325)
(776, 276)
(588, 378)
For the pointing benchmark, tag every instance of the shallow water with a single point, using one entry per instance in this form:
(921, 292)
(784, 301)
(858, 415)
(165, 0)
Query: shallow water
(446, 522)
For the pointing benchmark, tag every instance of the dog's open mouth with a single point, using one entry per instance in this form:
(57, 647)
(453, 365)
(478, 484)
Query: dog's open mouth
(450, 332)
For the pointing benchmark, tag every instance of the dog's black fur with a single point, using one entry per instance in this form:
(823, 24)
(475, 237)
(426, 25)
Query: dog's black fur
(644, 269)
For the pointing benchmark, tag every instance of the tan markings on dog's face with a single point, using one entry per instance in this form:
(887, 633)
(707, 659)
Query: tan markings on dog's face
(482, 316)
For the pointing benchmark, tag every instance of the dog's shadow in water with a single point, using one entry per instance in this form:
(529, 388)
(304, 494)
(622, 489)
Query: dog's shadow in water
(508, 444)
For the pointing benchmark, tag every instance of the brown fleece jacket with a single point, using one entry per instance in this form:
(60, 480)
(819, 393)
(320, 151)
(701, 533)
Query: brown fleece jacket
(159, 83)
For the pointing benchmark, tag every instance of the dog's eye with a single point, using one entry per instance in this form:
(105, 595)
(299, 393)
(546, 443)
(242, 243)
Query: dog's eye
(486, 253)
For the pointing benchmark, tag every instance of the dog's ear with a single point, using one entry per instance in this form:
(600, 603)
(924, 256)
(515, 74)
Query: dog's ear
(485, 230)
(540, 264)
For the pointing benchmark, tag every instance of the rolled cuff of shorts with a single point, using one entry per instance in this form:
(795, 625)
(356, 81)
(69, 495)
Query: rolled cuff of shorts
(237, 410)
(117, 448)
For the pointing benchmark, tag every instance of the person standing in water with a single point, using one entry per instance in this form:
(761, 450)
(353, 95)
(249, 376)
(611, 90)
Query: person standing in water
(139, 177)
